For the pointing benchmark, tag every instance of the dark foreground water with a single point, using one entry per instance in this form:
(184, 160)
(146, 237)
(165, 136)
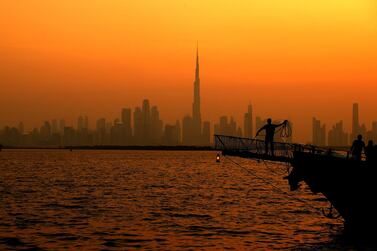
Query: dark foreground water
(110, 200)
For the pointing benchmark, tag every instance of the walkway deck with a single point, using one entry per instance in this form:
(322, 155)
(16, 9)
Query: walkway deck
(255, 148)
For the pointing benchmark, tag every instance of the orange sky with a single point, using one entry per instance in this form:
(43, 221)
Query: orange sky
(292, 59)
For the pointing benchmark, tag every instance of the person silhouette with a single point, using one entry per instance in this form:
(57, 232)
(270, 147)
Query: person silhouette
(370, 152)
(270, 132)
(357, 147)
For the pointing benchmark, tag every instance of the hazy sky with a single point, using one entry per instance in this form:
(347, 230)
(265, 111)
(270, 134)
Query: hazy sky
(291, 59)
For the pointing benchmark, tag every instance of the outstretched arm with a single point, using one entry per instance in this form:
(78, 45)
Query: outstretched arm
(260, 129)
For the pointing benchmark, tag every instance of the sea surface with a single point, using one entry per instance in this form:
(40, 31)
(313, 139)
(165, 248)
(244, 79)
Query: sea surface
(156, 200)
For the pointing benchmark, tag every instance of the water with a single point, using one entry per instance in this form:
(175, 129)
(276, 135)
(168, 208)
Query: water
(108, 200)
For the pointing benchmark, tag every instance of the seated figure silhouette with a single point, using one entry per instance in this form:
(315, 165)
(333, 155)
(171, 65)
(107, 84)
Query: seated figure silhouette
(357, 147)
(270, 132)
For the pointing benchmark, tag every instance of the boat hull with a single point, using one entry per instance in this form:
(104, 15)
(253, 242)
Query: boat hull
(349, 185)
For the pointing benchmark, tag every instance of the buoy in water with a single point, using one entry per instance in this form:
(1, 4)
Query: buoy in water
(218, 158)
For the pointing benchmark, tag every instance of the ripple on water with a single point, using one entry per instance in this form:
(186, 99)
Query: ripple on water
(111, 200)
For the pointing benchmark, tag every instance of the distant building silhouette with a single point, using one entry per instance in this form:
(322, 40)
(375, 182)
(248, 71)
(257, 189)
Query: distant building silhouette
(126, 126)
(179, 131)
(117, 133)
(138, 126)
(196, 114)
(171, 135)
(227, 127)
(80, 123)
(54, 126)
(86, 123)
(21, 128)
(146, 122)
(337, 136)
(156, 127)
(147, 126)
(372, 134)
(100, 135)
(318, 133)
(188, 131)
(193, 130)
(206, 133)
(83, 137)
(69, 137)
(61, 126)
(45, 133)
(355, 122)
(356, 127)
(248, 122)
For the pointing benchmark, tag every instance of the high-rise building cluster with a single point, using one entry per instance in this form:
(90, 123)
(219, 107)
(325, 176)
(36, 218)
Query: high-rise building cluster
(227, 126)
(337, 136)
(147, 129)
(142, 126)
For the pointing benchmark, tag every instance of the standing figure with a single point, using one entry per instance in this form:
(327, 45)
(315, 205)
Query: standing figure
(357, 147)
(270, 132)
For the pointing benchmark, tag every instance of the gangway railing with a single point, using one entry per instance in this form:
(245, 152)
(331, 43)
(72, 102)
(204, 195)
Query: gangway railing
(256, 146)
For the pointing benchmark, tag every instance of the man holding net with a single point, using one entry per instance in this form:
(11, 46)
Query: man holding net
(270, 132)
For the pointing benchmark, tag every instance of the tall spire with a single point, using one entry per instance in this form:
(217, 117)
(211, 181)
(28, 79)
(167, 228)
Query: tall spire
(197, 62)
(196, 116)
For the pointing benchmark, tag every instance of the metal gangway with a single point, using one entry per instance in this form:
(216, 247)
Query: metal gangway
(255, 148)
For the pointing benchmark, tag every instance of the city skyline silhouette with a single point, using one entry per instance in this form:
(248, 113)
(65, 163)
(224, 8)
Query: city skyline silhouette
(143, 126)
(290, 60)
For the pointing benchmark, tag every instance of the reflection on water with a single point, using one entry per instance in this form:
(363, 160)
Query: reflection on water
(152, 199)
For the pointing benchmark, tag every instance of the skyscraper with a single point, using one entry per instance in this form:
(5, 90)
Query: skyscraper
(21, 128)
(80, 123)
(225, 127)
(178, 127)
(61, 126)
(196, 116)
(126, 117)
(337, 136)
(319, 133)
(248, 122)
(146, 122)
(156, 126)
(86, 122)
(54, 126)
(355, 121)
(126, 123)
(45, 131)
(100, 137)
(187, 131)
(206, 133)
(138, 126)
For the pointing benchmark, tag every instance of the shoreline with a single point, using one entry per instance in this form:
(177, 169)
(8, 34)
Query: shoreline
(109, 147)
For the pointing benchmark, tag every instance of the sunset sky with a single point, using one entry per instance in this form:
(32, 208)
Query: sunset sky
(291, 59)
